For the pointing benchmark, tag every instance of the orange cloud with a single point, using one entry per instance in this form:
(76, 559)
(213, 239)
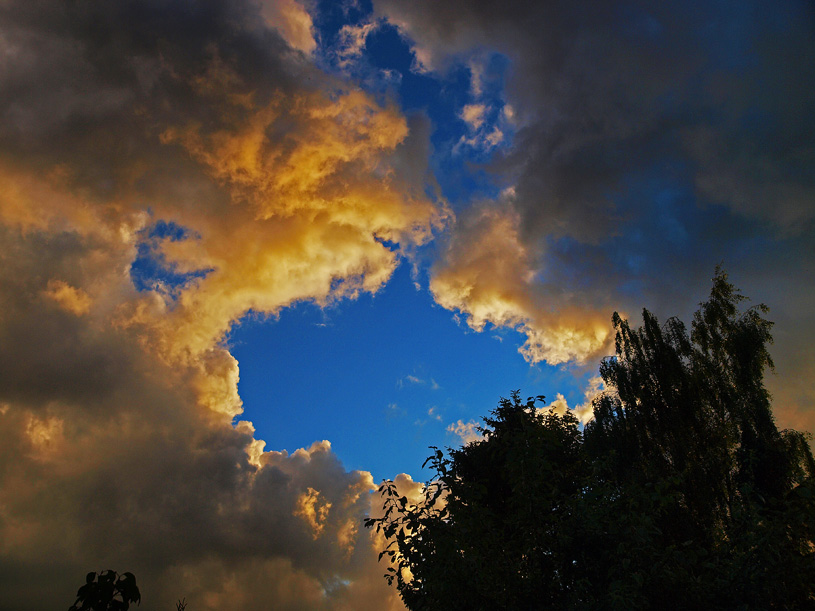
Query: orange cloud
(309, 213)
(118, 406)
(292, 21)
(488, 274)
(67, 297)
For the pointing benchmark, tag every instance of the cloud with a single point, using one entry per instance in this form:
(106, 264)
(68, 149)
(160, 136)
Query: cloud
(320, 200)
(292, 21)
(410, 379)
(200, 144)
(69, 298)
(488, 274)
(352, 40)
(119, 407)
(585, 410)
(559, 405)
(466, 431)
(473, 115)
(650, 144)
(413, 380)
(483, 135)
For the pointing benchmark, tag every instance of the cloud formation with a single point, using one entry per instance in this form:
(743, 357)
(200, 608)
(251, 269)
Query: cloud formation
(195, 147)
(585, 410)
(489, 275)
(651, 143)
(169, 168)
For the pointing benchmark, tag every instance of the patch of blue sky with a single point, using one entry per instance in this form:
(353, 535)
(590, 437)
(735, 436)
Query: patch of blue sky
(381, 377)
(150, 270)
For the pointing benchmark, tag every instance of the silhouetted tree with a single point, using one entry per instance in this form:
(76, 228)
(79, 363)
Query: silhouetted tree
(680, 494)
(107, 591)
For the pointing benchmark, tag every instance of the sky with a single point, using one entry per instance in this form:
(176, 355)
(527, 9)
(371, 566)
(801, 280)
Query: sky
(258, 255)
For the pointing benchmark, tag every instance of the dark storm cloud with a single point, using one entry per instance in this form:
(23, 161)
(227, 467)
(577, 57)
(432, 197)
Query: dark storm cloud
(653, 140)
(608, 94)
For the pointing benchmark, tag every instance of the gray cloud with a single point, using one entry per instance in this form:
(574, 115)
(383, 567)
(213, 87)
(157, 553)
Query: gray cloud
(652, 142)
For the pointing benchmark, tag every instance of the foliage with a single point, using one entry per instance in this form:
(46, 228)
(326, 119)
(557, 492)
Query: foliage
(680, 493)
(107, 591)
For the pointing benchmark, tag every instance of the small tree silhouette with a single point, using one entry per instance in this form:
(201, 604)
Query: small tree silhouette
(107, 591)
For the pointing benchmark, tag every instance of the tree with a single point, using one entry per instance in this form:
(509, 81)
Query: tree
(107, 591)
(680, 493)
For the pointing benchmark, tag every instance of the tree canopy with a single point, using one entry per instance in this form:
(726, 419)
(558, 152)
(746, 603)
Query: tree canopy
(107, 591)
(681, 493)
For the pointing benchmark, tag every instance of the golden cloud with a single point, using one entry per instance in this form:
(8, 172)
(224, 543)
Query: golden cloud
(292, 21)
(69, 298)
(488, 274)
(119, 405)
(585, 410)
(308, 218)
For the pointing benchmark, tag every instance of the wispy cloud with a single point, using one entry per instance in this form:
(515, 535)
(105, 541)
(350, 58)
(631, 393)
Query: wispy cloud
(414, 380)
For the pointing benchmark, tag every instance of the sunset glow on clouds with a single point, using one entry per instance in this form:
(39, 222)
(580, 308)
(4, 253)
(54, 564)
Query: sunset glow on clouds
(466, 194)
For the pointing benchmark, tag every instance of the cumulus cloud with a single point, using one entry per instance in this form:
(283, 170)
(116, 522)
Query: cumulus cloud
(198, 143)
(489, 275)
(195, 146)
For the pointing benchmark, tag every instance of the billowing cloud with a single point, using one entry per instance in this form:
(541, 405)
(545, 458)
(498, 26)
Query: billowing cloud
(489, 275)
(166, 170)
(169, 168)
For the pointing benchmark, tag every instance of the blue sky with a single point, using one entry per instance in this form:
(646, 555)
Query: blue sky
(258, 255)
(365, 374)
